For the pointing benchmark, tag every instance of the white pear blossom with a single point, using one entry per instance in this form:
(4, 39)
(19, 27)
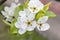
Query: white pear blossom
(25, 22)
(42, 25)
(9, 11)
(30, 24)
(25, 25)
(35, 6)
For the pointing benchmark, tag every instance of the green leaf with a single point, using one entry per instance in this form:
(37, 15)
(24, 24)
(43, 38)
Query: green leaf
(39, 15)
(16, 12)
(1, 7)
(50, 14)
(46, 7)
(6, 22)
(26, 4)
(13, 29)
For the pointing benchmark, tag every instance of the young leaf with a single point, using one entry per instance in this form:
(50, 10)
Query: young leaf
(46, 7)
(13, 29)
(50, 14)
(26, 4)
(39, 15)
(16, 12)
(6, 22)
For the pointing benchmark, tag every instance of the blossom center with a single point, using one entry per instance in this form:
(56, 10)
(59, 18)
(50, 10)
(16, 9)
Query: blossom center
(28, 23)
(40, 24)
(33, 8)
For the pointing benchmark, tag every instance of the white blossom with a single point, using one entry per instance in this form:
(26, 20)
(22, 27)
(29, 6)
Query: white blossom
(9, 11)
(42, 25)
(35, 6)
(25, 22)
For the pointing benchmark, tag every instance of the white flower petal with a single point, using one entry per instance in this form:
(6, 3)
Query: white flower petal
(17, 25)
(4, 13)
(20, 25)
(13, 5)
(28, 12)
(34, 24)
(35, 4)
(9, 19)
(11, 13)
(31, 3)
(21, 31)
(6, 9)
(44, 27)
(31, 16)
(30, 28)
(21, 19)
(22, 14)
(43, 19)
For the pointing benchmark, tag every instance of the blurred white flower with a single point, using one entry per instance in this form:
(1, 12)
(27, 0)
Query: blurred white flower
(42, 25)
(16, 1)
(35, 6)
(9, 11)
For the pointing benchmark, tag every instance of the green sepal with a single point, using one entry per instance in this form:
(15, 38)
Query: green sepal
(13, 29)
(39, 15)
(26, 4)
(6, 22)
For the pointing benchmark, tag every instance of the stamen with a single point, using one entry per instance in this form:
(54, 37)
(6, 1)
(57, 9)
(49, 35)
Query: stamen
(28, 23)
(34, 8)
(40, 24)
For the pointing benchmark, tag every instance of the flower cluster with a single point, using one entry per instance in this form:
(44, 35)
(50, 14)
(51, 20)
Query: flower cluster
(8, 12)
(33, 14)
(26, 20)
